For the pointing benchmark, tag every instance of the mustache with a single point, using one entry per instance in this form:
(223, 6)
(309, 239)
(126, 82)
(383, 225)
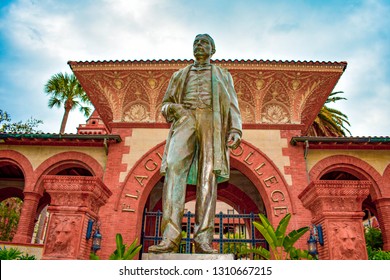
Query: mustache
(198, 48)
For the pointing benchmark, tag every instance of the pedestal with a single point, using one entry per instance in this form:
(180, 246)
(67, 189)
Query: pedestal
(337, 206)
(74, 200)
(171, 256)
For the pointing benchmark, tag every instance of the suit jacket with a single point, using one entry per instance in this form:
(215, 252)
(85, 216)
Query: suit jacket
(226, 118)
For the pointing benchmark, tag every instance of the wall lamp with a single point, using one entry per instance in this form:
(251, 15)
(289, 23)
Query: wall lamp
(96, 238)
(316, 235)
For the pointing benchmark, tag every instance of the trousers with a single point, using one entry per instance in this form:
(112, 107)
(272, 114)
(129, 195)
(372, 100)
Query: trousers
(192, 137)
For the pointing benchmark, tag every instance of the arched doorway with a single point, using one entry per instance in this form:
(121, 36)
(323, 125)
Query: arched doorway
(355, 186)
(67, 168)
(268, 190)
(11, 198)
(238, 203)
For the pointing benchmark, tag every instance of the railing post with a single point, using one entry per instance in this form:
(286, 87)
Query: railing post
(159, 213)
(221, 232)
(188, 233)
(252, 219)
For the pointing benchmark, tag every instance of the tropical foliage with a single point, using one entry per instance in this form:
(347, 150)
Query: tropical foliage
(329, 121)
(377, 254)
(236, 248)
(65, 90)
(9, 217)
(373, 238)
(121, 253)
(14, 254)
(281, 246)
(374, 244)
(27, 127)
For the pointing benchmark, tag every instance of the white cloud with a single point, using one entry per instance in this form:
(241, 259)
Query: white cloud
(44, 35)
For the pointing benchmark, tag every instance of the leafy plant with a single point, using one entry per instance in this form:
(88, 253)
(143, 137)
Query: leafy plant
(281, 246)
(27, 257)
(329, 121)
(121, 253)
(374, 244)
(14, 254)
(373, 238)
(377, 254)
(237, 248)
(182, 247)
(29, 126)
(93, 256)
(9, 217)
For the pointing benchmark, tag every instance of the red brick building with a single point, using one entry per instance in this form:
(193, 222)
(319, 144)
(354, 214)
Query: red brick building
(109, 171)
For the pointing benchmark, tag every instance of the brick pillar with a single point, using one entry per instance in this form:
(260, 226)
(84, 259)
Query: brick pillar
(27, 218)
(337, 206)
(383, 209)
(74, 200)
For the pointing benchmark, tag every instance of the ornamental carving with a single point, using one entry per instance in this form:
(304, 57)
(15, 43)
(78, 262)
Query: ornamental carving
(275, 114)
(136, 112)
(76, 191)
(247, 112)
(335, 197)
(269, 92)
(276, 104)
(347, 241)
(63, 234)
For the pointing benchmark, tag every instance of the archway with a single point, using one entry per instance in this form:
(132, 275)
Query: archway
(349, 176)
(248, 160)
(72, 164)
(11, 198)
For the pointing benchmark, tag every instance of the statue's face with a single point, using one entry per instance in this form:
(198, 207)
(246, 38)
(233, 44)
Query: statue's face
(202, 47)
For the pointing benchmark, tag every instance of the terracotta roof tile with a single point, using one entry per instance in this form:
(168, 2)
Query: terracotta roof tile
(255, 61)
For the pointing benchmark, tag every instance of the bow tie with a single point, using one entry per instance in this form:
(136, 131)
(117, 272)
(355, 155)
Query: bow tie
(197, 66)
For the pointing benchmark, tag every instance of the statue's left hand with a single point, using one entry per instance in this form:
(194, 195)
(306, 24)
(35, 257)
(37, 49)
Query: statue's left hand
(234, 140)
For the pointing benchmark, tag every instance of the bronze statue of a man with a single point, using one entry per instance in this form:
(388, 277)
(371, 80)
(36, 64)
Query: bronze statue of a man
(202, 105)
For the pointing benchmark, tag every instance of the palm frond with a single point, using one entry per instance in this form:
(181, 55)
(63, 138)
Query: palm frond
(330, 121)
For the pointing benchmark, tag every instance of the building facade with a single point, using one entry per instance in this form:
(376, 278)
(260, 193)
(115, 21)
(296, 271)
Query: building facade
(109, 171)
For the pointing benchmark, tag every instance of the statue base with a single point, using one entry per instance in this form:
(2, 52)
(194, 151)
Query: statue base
(175, 256)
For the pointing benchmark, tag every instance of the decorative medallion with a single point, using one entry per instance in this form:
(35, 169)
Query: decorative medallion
(275, 114)
(136, 113)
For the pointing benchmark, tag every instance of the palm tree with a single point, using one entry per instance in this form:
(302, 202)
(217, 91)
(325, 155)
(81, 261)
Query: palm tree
(65, 90)
(329, 121)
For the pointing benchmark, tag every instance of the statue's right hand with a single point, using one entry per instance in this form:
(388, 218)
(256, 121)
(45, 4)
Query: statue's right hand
(177, 110)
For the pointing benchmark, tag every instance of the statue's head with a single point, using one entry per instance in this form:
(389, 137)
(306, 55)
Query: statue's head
(204, 43)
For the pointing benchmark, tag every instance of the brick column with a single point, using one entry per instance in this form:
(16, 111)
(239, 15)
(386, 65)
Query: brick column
(383, 209)
(337, 206)
(74, 200)
(27, 218)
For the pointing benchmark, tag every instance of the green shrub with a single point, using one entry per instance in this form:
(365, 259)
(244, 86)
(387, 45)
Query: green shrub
(377, 254)
(9, 217)
(14, 254)
(373, 238)
(374, 244)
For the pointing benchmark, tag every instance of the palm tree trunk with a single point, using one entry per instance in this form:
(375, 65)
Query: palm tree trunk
(68, 107)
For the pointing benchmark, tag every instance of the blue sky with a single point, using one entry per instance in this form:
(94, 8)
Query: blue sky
(37, 38)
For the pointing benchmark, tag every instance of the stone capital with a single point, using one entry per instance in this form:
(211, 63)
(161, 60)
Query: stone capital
(87, 193)
(329, 197)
